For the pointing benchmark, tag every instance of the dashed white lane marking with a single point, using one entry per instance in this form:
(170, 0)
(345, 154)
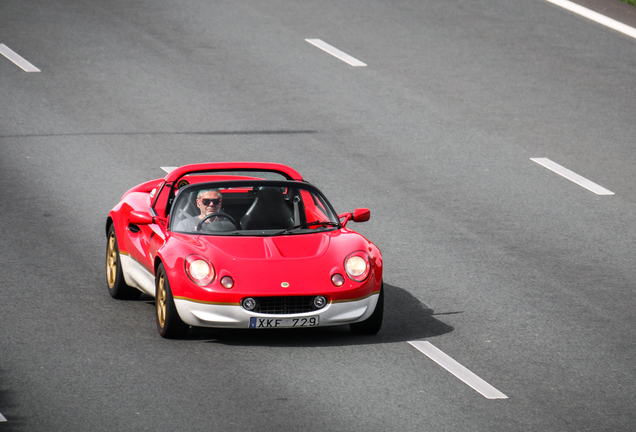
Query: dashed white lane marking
(2, 419)
(572, 176)
(335, 52)
(452, 366)
(595, 16)
(17, 59)
(168, 169)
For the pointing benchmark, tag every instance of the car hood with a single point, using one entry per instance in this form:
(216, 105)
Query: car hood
(290, 246)
(290, 264)
(285, 247)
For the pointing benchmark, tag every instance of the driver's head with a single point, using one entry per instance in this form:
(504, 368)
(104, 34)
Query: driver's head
(209, 201)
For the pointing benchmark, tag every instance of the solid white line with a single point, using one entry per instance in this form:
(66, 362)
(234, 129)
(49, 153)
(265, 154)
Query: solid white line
(445, 361)
(169, 169)
(595, 16)
(16, 59)
(2, 419)
(335, 52)
(572, 176)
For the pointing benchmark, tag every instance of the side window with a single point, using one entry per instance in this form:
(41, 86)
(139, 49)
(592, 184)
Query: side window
(185, 207)
(314, 209)
(162, 202)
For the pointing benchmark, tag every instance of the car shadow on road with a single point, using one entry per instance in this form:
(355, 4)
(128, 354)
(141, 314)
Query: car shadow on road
(9, 421)
(405, 319)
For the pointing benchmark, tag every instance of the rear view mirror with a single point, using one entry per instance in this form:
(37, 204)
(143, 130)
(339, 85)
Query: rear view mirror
(140, 218)
(361, 215)
(358, 215)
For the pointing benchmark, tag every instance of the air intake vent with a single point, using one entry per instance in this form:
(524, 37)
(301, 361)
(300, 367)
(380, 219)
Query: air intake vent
(284, 305)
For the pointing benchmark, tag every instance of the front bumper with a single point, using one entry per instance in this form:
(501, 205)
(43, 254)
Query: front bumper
(234, 316)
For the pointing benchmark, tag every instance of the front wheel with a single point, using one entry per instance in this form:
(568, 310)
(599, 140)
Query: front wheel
(373, 324)
(169, 322)
(117, 286)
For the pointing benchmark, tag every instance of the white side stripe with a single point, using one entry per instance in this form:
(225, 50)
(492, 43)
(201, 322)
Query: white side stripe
(572, 176)
(595, 16)
(452, 366)
(16, 59)
(335, 52)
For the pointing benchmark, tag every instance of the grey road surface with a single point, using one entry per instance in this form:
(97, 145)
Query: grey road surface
(520, 275)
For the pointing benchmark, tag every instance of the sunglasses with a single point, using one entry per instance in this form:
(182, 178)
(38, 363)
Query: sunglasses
(215, 201)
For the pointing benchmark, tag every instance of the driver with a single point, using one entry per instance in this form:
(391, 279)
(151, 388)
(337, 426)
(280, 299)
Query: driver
(208, 202)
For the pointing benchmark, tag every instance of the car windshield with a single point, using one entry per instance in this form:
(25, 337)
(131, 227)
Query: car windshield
(251, 208)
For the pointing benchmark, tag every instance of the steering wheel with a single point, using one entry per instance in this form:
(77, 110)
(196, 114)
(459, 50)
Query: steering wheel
(219, 214)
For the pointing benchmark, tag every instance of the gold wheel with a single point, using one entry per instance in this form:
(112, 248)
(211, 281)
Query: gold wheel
(111, 260)
(169, 322)
(161, 300)
(115, 280)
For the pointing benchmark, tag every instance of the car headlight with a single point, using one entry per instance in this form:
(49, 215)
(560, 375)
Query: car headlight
(338, 280)
(199, 270)
(357, 266)
(227, 282)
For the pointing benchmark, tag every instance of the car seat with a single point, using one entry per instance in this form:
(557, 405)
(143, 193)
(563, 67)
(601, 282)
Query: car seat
(268, 211)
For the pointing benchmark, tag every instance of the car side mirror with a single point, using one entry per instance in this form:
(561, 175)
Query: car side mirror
(358, 215)
(361, 215)
(140, 218)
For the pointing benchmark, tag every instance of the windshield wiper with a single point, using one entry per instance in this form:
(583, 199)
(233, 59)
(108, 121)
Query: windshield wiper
(305, 226)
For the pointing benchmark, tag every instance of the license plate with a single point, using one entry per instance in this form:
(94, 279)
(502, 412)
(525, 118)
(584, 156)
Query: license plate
(264, 323)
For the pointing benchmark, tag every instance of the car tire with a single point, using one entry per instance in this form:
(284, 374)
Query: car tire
(169, 323)
(373, 324)
(117, 286)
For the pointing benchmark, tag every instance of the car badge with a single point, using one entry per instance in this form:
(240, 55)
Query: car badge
(285, 284)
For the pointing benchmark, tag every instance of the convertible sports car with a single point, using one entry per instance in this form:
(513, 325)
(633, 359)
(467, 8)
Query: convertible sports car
(242, 245)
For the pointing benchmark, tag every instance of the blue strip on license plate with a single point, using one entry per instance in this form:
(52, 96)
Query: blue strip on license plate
(263, 323)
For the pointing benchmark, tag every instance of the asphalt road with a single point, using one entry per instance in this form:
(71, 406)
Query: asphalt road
(522, 276)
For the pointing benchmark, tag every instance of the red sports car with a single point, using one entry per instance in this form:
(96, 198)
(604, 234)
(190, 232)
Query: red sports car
(242, 245)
